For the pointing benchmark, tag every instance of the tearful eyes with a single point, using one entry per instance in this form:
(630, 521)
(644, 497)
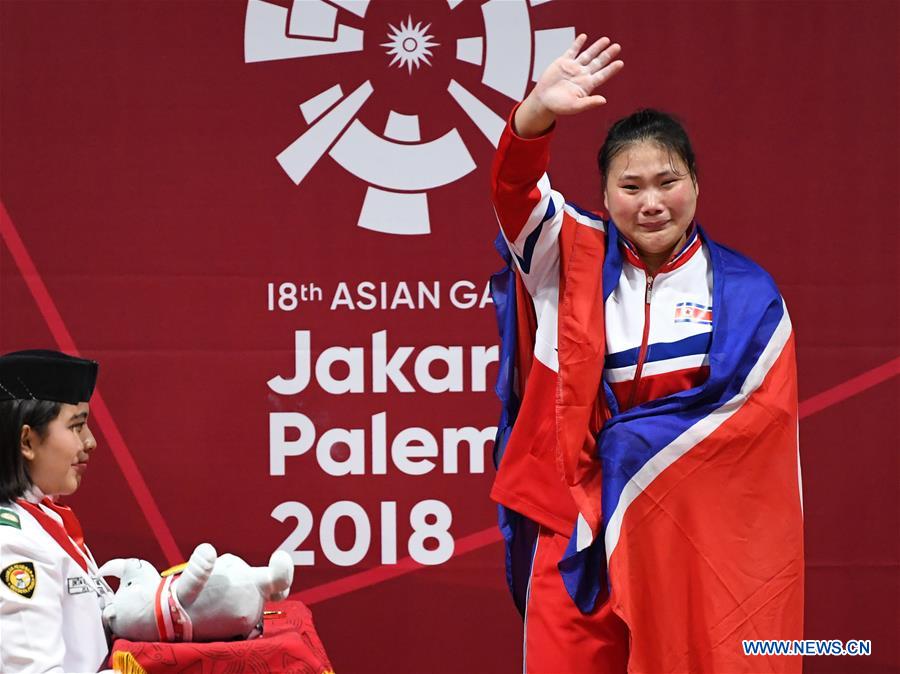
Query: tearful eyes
(634, 188)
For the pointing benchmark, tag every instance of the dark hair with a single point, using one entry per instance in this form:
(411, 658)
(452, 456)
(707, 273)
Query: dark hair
(14, 414)
(647, 125)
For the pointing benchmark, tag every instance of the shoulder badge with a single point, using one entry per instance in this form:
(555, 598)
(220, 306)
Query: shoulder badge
(20, 578)
(9, 518)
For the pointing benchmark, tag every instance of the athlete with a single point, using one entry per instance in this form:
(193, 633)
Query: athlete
(642, 364)
(51, 597)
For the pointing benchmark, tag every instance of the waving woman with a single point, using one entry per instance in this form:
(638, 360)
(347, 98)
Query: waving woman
(647, 454)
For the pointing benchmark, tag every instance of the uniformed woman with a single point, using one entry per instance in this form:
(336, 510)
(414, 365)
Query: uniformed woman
(51, 596)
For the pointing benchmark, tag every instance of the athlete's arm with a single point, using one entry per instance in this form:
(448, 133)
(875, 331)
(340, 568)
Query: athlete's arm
(529, 211)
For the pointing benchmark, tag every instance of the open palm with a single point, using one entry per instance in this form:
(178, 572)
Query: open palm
(566, 86)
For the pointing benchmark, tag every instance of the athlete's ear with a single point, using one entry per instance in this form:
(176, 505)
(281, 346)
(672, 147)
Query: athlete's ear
(25, 442)
(605, 201)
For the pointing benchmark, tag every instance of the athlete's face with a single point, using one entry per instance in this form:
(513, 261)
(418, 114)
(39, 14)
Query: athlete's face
(652, 198)
(57, 461)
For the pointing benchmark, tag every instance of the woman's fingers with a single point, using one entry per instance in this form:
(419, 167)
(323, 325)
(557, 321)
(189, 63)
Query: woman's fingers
(604, 58)
(588, 54)
(573, 50)
(567, 84)
(606, 73)
(587, 103)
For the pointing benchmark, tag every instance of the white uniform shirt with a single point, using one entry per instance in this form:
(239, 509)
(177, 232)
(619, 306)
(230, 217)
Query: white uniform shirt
(50, 609)
(659, 329)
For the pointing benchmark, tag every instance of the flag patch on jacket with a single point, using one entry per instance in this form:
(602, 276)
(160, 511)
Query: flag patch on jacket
(692, 312)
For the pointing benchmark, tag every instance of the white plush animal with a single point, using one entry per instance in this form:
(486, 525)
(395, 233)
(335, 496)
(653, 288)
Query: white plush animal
(214, 598)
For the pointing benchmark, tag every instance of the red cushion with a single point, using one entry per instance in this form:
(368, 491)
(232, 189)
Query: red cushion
(289, 643)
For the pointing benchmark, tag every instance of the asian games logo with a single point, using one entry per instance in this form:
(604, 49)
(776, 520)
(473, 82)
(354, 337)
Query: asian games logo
(422, 42)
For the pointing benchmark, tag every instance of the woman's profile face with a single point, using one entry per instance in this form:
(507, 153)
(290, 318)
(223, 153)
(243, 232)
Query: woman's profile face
(652, 198)
(57, 462)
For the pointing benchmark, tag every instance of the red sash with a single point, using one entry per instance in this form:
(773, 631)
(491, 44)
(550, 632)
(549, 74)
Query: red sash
(63, 533)
(172, 622)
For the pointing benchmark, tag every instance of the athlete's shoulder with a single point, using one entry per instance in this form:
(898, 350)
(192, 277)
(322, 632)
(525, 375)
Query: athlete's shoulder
(583, 216)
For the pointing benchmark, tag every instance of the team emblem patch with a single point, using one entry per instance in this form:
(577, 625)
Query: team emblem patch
(20, 578)
(9, 518)
(692, 312)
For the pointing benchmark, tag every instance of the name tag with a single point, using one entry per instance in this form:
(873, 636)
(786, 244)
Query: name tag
(82, 585)
(102, 586)
(78, 585)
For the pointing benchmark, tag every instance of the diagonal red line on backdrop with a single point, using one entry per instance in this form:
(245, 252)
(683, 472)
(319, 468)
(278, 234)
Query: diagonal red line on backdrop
(849, 388)
(379, 574)
(99, 410)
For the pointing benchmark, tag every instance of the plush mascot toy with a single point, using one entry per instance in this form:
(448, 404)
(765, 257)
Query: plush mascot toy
(212, 599)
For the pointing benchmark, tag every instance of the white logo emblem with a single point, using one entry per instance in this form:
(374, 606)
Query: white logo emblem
(410, 46)
(397, 164)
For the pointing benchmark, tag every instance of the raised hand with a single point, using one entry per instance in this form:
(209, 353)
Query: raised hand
(566, 87)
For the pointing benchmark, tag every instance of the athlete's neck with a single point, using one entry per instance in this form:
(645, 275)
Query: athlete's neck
(654, 261)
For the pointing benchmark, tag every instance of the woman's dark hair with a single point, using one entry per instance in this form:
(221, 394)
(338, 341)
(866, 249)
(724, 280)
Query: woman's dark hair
(647, 125)
(14, 414)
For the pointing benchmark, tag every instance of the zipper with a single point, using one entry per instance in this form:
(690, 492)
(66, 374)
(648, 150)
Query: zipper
(642, 354)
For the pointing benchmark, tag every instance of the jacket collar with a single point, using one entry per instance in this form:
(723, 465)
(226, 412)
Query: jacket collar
(691, 245)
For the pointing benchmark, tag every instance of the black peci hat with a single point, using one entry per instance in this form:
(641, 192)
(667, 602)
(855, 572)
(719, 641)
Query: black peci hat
(40, 374)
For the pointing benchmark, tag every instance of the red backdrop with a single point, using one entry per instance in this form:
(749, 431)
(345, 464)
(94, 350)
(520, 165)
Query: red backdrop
(145, 215)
